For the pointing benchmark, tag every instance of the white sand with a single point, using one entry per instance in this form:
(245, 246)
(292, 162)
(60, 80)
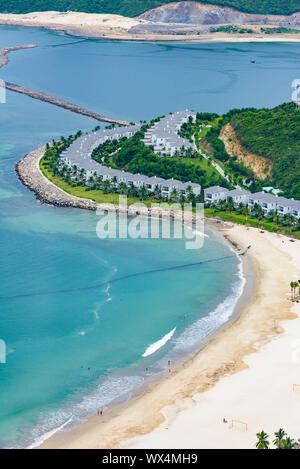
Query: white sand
(117, 27)
(261, 395)
(246, 372)
(72, 18)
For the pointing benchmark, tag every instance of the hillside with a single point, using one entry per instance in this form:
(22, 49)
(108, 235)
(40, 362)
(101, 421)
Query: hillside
(136, 7)
(274, 134)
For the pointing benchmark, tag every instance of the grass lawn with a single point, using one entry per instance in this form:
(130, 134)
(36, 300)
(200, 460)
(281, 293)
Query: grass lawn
(202, 163)
(236, 217)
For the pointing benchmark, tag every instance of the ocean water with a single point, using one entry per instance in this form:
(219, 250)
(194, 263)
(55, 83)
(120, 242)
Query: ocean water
(79, 334)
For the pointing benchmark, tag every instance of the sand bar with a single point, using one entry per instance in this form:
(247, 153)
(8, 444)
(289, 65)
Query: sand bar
(116, 27)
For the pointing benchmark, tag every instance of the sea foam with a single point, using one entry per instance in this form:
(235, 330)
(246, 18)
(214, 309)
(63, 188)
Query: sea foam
(160, 343)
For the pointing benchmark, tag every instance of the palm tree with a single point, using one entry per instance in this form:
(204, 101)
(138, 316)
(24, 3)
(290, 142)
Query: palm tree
(114, 180)
(293, 286)
(99, 181)
(157, 191)
(190, 194)
(123, 187)
(278, 441)
(230, 204)
(174, 193)
(262, 440)
(143, 192)
(181, 199)
(106, 185)
(288, 443)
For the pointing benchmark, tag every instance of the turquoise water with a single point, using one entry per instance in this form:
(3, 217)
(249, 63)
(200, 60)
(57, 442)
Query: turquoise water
(73, 346)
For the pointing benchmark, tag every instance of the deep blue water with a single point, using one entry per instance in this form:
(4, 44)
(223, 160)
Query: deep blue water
(71, 353)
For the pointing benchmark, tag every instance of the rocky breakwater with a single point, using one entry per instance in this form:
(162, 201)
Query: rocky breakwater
(30, 174)
(4, 52)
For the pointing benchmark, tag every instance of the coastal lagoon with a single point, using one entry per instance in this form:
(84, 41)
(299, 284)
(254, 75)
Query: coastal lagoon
(77, 338)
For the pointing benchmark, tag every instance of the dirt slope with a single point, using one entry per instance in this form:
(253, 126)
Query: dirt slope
(261, 166)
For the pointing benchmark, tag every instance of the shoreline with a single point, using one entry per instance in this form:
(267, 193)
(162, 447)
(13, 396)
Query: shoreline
(141, 421)
(31, 176)
(216, 359)
(117, 28)
(246, 282)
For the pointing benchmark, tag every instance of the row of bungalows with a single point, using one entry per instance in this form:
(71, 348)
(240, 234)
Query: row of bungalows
(163, 135)
(268, 202)
(78, 155)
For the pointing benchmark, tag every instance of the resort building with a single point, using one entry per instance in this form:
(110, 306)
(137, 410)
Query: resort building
(268, 202)
(78, 157)
(238, 196)
(215, 194)
(163, 135)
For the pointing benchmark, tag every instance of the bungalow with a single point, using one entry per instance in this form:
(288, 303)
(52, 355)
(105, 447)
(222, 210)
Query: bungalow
(267, 202)
(79, 154)
(238, 196)
(215, 194)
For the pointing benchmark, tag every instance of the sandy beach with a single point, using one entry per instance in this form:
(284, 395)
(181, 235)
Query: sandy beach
(117, 27)
(246, 372)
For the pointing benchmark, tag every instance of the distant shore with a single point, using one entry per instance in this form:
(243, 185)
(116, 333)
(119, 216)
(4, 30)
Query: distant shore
(116, 27)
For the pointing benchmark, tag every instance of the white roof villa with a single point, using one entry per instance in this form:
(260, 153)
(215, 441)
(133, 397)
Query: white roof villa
(79, 154)
(163, 135)
(266, 201)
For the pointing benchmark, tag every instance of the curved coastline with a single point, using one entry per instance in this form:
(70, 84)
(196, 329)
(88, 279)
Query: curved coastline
(255, 319)
(147, 416)
(32, 177)
(127, 399)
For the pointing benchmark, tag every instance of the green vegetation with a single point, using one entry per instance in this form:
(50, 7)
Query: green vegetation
(73, 181)
(136, 7)
(274, 134)
(232, 30)
(271, 133)
(133, 156)
(279, 30)
(238, 30)
(205, 132)
(295, 285)
(281, 440)
(226, 211)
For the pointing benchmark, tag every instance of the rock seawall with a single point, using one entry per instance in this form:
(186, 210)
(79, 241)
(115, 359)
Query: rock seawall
(31, 176)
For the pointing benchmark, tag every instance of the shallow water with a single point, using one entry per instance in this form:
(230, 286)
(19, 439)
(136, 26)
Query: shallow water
(70, 353)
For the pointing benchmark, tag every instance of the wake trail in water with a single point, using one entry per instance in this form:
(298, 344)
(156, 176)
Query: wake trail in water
(118, 279)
